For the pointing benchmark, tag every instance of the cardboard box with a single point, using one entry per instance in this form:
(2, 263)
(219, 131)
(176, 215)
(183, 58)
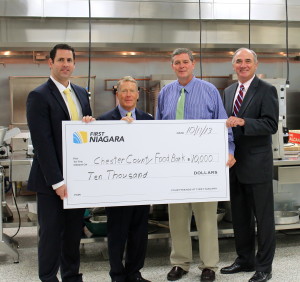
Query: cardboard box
(294, 136)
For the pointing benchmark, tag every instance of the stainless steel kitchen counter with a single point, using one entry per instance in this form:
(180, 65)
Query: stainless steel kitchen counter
(287, 170)
(287, 161)
(18, 158)
(18, 166)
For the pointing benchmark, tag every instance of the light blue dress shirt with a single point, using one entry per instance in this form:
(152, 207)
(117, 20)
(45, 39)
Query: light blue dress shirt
(202, 101)
(123, 112)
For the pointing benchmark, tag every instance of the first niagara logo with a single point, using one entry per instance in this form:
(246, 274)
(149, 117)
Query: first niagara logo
(80, 137)
(103, 137)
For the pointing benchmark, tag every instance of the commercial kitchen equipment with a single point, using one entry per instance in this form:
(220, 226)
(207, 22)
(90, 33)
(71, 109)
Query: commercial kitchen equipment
(286, 217)
(6, 214)
(17, 163)
(3, 148)
(7, 244)
(279, 137)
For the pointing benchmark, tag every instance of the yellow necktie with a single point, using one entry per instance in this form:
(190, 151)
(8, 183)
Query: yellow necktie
(128, 114)
(180, 105)
(71, 104)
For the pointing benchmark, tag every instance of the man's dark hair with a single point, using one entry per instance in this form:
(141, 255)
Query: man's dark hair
(61, 47)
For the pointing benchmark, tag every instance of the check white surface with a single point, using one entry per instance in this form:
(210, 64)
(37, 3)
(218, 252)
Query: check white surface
(145, 162)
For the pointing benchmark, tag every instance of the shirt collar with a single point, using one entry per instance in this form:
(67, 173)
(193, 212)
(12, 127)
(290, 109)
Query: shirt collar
(188, 87)
(60, 87)
(247, 83)
(123, 112)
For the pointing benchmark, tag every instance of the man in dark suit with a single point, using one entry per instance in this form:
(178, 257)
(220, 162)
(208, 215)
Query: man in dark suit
(252, 105)
(47, 106)
(126, 225)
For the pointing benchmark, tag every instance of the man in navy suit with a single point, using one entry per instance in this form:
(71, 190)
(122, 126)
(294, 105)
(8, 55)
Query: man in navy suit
(47, 106)
(253, 118)
(126, 225)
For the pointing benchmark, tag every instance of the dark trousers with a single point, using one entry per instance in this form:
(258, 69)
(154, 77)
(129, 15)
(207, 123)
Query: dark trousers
(60, 233)
(127, 226)
(250, 202)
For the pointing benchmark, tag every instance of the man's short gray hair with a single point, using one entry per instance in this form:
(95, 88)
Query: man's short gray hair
(241, 49)
(125, 79)
(179, 51)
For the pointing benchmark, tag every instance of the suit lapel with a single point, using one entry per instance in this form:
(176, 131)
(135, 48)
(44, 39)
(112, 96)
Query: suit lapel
(229, 101)
(249, 96)
(54, 91)
(116, 114)
(138, 114)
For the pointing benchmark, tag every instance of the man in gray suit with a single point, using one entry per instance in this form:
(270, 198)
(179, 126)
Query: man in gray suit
(252, 107)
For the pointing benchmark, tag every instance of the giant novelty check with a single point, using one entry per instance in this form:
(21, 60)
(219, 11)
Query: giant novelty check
(115, 163)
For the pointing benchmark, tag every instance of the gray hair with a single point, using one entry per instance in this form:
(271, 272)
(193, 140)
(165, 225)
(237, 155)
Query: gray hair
(179, 51)
(246, 49)
(125, 79)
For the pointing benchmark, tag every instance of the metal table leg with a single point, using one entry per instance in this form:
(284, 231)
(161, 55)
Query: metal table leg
(7, 244)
